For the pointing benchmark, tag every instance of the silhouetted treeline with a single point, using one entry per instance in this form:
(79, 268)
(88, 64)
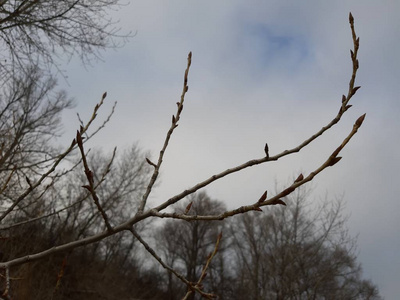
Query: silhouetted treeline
(293, 252)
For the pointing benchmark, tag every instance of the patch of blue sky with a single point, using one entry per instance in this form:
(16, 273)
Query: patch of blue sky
(270, 49)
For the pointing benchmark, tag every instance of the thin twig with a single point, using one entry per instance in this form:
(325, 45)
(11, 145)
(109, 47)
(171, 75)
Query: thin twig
(91, 185)
(343, 108)
(158, 258)
(174, 124)
(107, 170)
(332, 160)
(55, 164)
(87, 136)
(7, 279)
(141, 215)
(204, 273)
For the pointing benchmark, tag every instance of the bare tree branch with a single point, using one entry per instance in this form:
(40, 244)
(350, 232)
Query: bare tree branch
(90, 177)
(142, 213)
(60, 158)
(204, 273)
(175, 119)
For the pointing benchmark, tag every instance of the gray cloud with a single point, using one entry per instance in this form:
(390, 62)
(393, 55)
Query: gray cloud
(262, 71)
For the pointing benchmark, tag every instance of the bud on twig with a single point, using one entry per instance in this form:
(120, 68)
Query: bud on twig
(300, 178)
(354, 90)
(351, 19)
(360, 120)
(279, 201)
(188, 207)
(263, 197)
(266, 150)
(334, 161)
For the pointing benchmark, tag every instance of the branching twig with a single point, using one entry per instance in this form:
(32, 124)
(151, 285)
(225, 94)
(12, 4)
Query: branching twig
(87, 136)
(3, 188)
(7, 285)
(142, 214)
(158, 258)
(107, 170)
(343, 108)
(332, 160)
(60, 158)
(175, 119)
(90, 186)
(204, 273)
(163, 264)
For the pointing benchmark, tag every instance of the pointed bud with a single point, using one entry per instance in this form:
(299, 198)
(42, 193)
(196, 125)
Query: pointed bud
(355, 89)
(190, 58)
(351, 19)
(347, 107)
(334, 161)
(360, 120)
(188, 207)
(257, 209)
(266, 150)
(279, 201)
(343, 98)
(104, 95)
(300, 178)
(263, 197)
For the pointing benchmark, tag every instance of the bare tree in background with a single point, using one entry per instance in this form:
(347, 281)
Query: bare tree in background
(186, 245)
(69, 215)
(297, 252)
(44, 30)
(29, 121)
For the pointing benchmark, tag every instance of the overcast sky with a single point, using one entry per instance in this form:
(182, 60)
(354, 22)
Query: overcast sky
(262, 71)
